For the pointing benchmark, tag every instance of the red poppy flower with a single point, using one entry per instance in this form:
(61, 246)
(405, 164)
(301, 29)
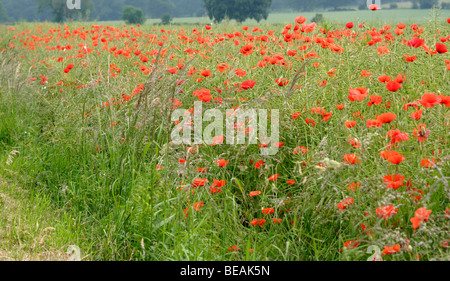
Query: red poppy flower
(421, 132)
(354, 142)
(441, 48)
(397, 136)
(416, 115)
(233, 248)
(445, 100)
(198, 182)
(386, 212)
(300, 19)
(421, 215)
(373, 123)
(274, 177)
(393, 86)
(247, 84)
(374, 99)
(384, 78)
(345, 203)
(217, 140)
(351, 244)
(351, 159)
(400, 78)
(172, 70)
(291, 53)
(259, 222)
(198, 205)
(282, 81)
(357, 94)
(350, 124)
(429, 100)
(259, 164)
(254, 193)
(393, 181)
(392, 156)
(427, 163)
(409, 58)
(222, 162)
(386, 117)
(389, 250)
(416, 42)
(275, 220)
(354, 186)
(268, 211)
(206, 73)
(240, 73)
(203, 94)
(246, 50)
(301, 149)
(349, 25)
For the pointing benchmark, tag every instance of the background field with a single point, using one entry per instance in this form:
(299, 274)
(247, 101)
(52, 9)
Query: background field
(381, 17)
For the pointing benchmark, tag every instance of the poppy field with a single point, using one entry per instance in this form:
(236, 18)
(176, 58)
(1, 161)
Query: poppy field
(361, 169)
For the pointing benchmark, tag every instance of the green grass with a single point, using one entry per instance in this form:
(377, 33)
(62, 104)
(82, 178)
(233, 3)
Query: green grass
(30, 227)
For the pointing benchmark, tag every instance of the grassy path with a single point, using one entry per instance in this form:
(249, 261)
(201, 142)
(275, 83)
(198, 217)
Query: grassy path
(29, 229)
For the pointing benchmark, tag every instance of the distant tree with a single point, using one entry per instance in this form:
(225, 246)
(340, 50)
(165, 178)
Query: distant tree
(108, 9)
(336, 3)
(304, 5)
(188, 8)
(428, 4)
(240, 10)
(3, 15)
(61, 12)
(166, 18)
(153, 8)
(133, 15)
(279, 5)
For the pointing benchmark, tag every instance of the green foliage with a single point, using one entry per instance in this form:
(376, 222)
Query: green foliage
(239, 10)
(133, 15)
(362, 5)
(317, 18)
(428, 4)
(304, 5)
(23, 10)
(3, 15)
(60, 11)
(166, 18)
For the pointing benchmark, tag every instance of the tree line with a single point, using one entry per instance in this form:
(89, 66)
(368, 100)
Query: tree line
(217, 10)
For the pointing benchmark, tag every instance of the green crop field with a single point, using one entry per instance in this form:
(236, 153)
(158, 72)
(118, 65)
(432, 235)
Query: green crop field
(382, 16)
